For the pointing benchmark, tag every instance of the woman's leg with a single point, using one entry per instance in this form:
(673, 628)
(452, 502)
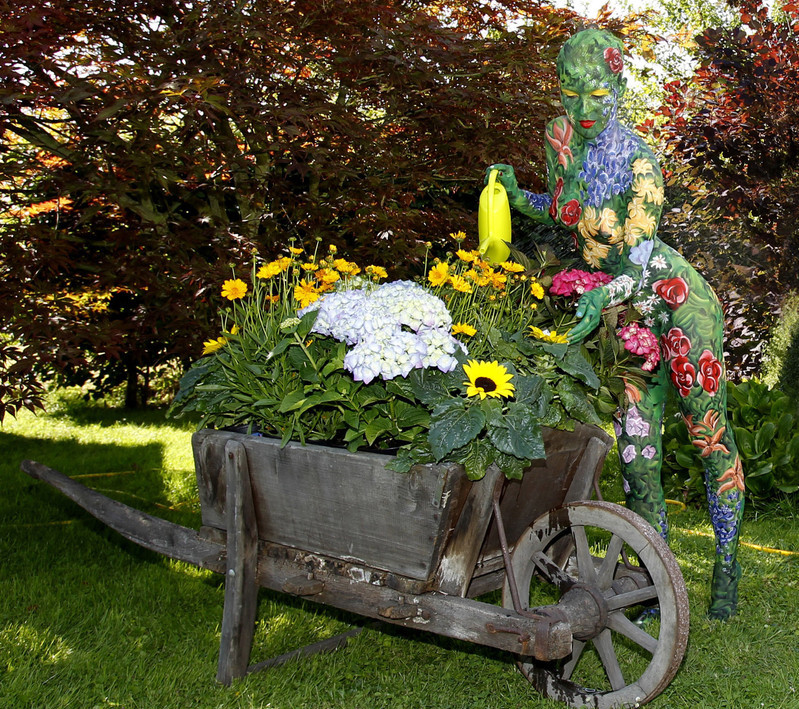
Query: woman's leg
(639, 437)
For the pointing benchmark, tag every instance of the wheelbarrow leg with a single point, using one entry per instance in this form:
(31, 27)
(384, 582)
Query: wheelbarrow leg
(241, 585)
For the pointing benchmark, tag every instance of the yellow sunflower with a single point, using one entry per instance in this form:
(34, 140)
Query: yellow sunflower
(547, 335)
(439, 274)
(211, 346)
(463, 328)
(488, 379)
(234, 289)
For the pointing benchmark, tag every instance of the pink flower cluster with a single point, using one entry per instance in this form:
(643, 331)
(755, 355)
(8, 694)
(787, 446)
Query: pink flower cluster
(641, 341)
(576, 282)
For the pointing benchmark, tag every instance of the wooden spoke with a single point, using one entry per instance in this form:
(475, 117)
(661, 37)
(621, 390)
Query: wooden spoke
(604, 646)
(585, 562)
(577, 650)
(632, 598)
(605, 575)
(622, 624)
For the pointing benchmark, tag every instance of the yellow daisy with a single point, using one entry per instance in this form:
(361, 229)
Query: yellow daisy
(463, 328)
(512, 267)
(458, 236)
(465, 256)
(309, 266)
(295, 250)
(269, 270)
(487, 379)
(377, 272)
(211, 346)
(496, 279)
(306, 293)
(547, 335)
(537, 290)
(439, 274)
(234, 289)
(459, 283)
(327, 276)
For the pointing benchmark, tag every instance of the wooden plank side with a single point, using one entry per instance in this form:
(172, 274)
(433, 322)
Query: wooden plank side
(340, 504)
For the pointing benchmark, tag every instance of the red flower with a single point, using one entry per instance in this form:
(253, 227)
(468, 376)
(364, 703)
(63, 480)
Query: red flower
(614, 60)
(673, 290)
(683, 375)
(570, 214)
(675, 343)
(553, 208)
(710, 371)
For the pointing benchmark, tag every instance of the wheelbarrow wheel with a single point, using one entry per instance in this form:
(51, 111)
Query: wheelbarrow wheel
(602, 566)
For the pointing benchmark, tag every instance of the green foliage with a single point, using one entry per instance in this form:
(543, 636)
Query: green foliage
(782, 355)
(766, 426)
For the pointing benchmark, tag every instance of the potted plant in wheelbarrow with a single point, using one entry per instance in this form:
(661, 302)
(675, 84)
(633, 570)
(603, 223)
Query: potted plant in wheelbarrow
(397, 449)
(422, 437)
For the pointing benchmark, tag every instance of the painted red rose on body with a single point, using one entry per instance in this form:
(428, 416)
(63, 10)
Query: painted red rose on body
(570, 213)
(614, 60)
(675, 343)
(710, 372)
(673, 290)
(683, 375)
(553, 208)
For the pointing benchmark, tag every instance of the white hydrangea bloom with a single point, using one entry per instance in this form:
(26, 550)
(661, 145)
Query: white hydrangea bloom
(392, 329)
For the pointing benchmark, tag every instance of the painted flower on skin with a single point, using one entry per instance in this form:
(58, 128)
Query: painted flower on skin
(614, 60)
(488, 379)
(683, 375)
(710, 372)
(675, 343)
(570, 212)
(706, 436)
(649, 452)
(733, 476)
(560, 139)
(594, 251)
(553, 208)
(673, 290)
(632, 392)
(642, 166)
(648, 189)
(589, 224)
(635, 425)
(234, 289)
(629, 454)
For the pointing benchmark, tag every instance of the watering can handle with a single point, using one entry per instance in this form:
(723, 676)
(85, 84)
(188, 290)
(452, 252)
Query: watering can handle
(492, 178)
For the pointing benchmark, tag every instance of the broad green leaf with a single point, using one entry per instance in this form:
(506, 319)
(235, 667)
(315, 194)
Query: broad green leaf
(452, 427)
(575, 363)
(375, 428)
(292, 401)
(764, 437)
(477, 459)
(518, 435)
(528, 388)
(576, 402)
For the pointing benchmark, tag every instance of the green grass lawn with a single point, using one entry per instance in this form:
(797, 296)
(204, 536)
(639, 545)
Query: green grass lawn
(89, 620)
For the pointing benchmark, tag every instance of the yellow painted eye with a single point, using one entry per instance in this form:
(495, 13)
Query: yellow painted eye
(600, 92)
(570, 94)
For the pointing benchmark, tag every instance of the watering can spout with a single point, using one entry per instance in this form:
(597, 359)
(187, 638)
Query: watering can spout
(493, 221)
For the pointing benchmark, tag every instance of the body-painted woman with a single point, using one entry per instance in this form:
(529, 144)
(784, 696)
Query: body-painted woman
(606, 187)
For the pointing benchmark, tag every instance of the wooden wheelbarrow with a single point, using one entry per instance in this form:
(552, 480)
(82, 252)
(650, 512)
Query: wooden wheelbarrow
(417, 549)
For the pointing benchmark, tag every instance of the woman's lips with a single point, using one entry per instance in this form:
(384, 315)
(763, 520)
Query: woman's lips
(587, 124)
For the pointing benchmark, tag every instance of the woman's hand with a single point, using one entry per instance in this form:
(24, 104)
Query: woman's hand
(506, 177)
(589, 313)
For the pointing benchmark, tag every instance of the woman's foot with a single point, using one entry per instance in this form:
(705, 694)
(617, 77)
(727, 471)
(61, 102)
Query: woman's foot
(724, 591)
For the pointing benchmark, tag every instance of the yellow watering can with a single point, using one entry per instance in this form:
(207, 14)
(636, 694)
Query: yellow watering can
(493, 221)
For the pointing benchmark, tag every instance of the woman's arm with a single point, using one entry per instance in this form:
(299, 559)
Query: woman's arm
(535, 206)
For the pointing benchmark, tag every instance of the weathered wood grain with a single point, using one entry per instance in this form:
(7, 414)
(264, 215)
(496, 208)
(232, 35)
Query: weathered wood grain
(241, 582)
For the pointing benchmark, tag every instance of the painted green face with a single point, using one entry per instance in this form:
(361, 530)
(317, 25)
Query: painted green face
(590, 71)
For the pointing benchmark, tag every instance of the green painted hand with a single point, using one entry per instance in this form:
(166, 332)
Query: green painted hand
(507, 178)
(589, 313)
